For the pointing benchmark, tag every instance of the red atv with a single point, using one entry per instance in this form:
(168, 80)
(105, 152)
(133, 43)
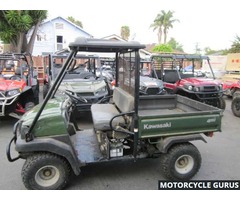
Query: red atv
(232, 90)
(19, 87)
(182, 75)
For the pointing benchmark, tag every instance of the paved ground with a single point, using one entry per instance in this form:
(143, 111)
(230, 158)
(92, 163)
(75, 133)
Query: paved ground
(220, 161)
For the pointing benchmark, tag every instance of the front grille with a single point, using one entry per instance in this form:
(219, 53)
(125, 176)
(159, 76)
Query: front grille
(1, 94)
(152, 91)
(209, 88)
(86, 94)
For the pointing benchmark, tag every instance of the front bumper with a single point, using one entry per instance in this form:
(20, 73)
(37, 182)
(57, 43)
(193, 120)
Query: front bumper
(152, 91)
(7, 104)
(205, 95)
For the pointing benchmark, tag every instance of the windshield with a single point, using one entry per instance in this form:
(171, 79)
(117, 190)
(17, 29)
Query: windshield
(80, 68)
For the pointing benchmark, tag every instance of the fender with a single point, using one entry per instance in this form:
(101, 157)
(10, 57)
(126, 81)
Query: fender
(49, 145)
(166, 143)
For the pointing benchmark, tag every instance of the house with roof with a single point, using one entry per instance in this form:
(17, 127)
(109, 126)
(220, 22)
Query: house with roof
(56, 34)
(144, 54)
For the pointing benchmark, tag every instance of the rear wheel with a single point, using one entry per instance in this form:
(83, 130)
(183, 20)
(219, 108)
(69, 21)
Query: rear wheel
(181, 162)
(236, 106)
(44, 171)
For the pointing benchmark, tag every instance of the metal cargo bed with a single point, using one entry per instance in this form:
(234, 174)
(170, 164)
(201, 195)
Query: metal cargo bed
(170, 115)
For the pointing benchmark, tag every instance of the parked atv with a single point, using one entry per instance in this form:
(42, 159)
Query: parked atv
(80, 80)
(181, 75)
(131, 127)
(19, 87)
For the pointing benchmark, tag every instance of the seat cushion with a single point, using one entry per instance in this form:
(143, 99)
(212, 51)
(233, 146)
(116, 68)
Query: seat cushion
(102, 114)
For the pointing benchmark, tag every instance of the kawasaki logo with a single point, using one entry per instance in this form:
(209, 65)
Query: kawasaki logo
(155, 126)
(211, 120)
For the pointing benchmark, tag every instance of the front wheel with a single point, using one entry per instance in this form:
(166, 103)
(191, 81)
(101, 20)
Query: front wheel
(44, 171)
(236, 106)
(28, 106)
(221, 103)
(181, 162)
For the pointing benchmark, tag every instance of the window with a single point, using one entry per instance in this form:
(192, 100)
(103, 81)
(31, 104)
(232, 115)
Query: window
(59, 26)
(59, 40)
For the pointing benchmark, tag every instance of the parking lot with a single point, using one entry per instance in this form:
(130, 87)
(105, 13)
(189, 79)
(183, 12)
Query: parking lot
(220, 161)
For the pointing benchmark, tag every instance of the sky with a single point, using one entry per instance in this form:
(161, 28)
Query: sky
(206, 23)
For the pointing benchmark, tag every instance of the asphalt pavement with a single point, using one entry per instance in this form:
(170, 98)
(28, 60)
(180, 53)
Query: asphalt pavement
(220, 161)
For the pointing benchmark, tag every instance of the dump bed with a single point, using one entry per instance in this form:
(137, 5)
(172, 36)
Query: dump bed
(170, 115)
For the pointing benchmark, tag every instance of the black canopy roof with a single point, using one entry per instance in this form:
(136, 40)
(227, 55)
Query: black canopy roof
(103, 45)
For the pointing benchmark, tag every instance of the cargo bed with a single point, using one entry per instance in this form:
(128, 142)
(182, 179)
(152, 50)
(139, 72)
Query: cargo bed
(170, 115)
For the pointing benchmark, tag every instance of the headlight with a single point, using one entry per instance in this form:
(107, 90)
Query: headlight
(23, 131)
(101, 90)
(12, 92)
(190, 87)
(142, 87)
(220, 87)
(196, 89)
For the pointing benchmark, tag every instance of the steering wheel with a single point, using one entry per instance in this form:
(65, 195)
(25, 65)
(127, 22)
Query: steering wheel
(74, 97)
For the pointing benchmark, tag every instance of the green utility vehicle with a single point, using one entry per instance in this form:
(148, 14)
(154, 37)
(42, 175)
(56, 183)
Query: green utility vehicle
(131, 127)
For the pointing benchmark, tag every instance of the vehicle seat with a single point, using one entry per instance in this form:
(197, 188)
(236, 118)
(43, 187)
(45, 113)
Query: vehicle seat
(103, 113)
(171, 76)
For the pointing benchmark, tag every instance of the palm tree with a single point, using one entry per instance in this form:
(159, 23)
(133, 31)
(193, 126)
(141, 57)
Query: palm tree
(163, 22)
(125, 32)
(157, 25)
(168, 23)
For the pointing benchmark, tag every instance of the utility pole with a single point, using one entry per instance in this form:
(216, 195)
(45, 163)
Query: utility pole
(197, 49)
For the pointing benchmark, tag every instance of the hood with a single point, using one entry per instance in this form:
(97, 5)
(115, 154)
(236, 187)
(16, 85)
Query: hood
(51, 109)
(200, 81)
(150, 82)
(6, 85)
(50, 121)
(82, 86)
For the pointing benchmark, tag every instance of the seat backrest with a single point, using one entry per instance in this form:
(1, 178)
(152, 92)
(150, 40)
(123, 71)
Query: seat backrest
(171, 76)
(123, 100)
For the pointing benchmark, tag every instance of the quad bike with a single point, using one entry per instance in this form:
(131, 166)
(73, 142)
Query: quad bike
(181, 75)
(19, 87)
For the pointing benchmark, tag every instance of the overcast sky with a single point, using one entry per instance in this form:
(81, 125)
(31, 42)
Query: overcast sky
(209, 23)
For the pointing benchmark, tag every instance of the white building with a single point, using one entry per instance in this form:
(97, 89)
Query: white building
(56, 34)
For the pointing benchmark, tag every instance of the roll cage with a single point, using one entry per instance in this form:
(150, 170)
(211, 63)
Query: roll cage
(176, 62)
(127, 67)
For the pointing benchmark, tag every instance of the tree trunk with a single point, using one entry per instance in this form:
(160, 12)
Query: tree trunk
(165, 36)
(20, 43)
(32, 39)
(159, 35)
(24, 45)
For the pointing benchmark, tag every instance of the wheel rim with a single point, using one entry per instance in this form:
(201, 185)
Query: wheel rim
(184, 164)
(47, 176)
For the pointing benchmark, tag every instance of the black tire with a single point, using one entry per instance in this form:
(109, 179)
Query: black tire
(181, 162)
(29, 106)
(221, 103)
(45, 90)
(236, 93)
(45, 171)
(236, 106)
